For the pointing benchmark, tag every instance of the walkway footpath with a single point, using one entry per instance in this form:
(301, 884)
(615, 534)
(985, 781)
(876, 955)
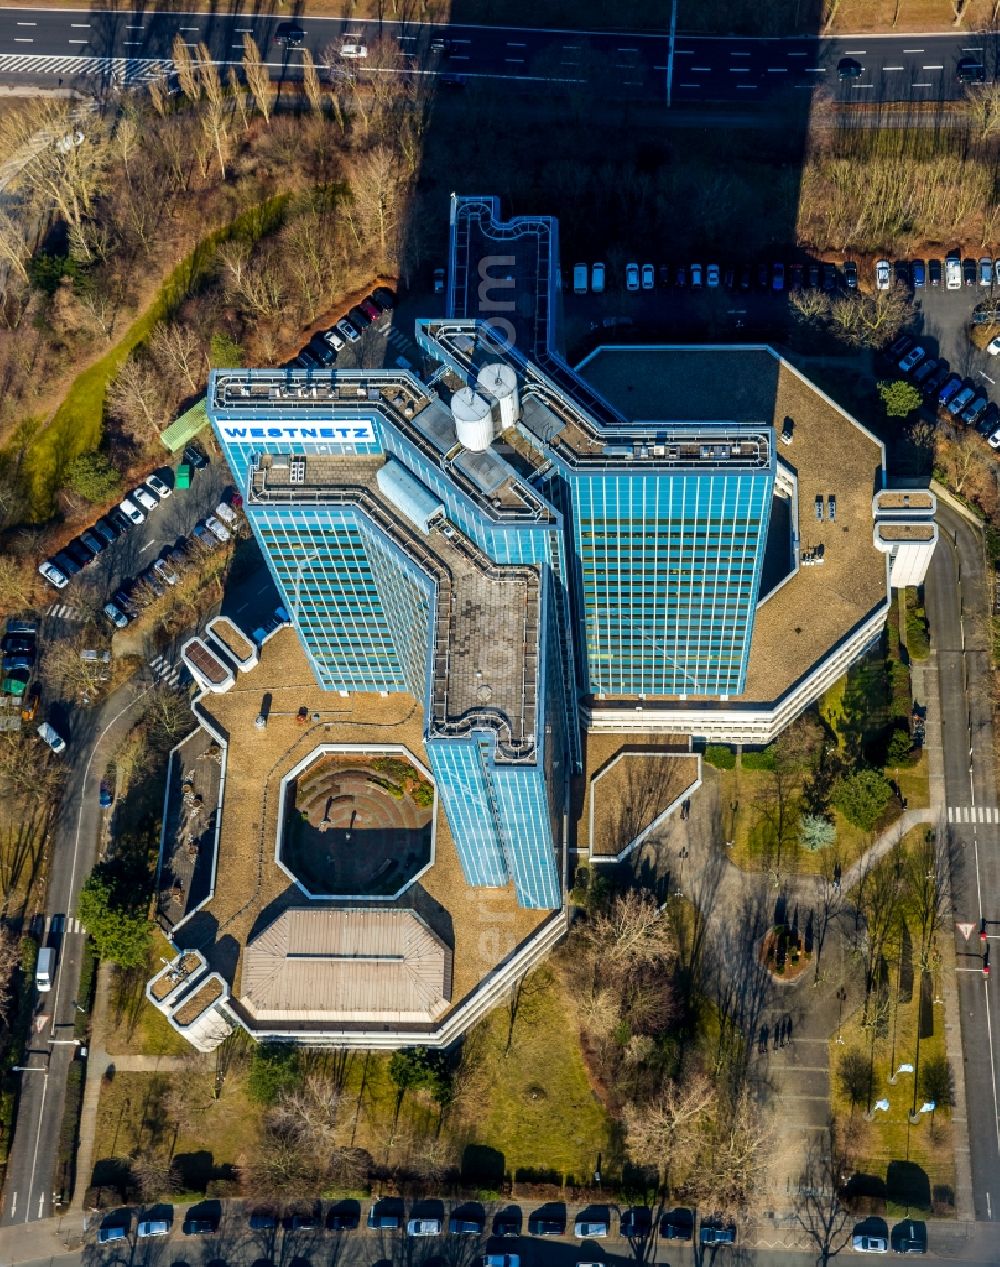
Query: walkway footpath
(98, 1062)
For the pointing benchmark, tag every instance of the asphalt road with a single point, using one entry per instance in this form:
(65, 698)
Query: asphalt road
(41, 45)
(957, 606)
(28, 1191)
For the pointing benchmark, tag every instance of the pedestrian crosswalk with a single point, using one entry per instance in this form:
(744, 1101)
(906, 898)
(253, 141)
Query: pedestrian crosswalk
(166, 672)
(64, 924)
(63, 611)
(125, 70)
(973, 814)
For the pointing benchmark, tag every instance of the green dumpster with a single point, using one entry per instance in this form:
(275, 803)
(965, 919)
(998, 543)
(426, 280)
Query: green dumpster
(183, 476)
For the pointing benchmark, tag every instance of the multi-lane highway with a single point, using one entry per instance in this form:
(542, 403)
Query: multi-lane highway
(45, 46)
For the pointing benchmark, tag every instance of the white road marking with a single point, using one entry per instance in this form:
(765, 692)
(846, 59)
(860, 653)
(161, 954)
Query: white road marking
(21, 40)
(244, 30)
(746, 86)
(132, 43)
(689, 85)
(80, 26)
(815, 70)
(734, 54)
(739, 70)
(893, 67)
(798, 54)
(27, 24)
(148, 546)
(935, 67)
(701, 69)
(922, 85)
(777, 70)
(41, 1204)
(628, 50)
(516, 44)
(13, 1205)
(972, 50)
(855, 52)
(133, 26)
(862, 85)
(914, 50)
(77, 41)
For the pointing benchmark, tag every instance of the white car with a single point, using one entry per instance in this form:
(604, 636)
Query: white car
(52, 737)
(53, 575)
(354, 46)
(115, 615)
(131, 511)
(953, 273)
(217, 529)
(993, 347)
(869, 1244)
(145, 498)
(423, 1227)
(333, 338)
(631, 276)
(226, 513)
(348, 331)
(712, 276)
(162, 490)
(883, 275)
(165, 572)
(648, 277)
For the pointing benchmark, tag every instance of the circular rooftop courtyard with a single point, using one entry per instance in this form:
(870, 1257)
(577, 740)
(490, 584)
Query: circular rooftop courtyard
(357, 824)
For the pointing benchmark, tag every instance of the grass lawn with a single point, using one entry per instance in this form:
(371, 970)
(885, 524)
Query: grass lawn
(748, 827)
(214, 1136)
(912, 1165)
(532, 1109)
(142, 1029)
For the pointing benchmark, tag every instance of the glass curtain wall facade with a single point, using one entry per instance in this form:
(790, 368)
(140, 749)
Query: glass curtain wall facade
(667, 571)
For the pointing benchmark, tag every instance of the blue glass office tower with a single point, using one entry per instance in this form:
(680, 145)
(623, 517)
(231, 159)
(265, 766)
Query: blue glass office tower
(500, 545)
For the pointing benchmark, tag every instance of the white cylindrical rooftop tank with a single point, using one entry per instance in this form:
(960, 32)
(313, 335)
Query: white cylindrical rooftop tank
(498, 382)
(473, 420)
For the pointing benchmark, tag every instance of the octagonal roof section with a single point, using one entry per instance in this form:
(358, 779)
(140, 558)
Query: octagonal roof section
(358, 822)
(832, 457)
(327, 964)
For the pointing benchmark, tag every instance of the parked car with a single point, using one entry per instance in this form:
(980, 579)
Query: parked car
(969, 272)
(465, 1225)
(48, 734)
(372, 309)
(334, 338)
(937, 380)
(717, 1234)
(95, 544)
(131, 511)
(951, 386)
(321, 350)
(201, 536)
(959, 402)
(383, 1216)
(118, 1230)
(507, 1222)
(902, 343)
(680, 278)
(590, 1229)
(123, 599)
(152, 1227)
(912, 359)
(53, 575)
(631, 276)
(813, 274)
(161, 489)
(902, 273)
(677, 1225)
(308, 360)
(546, 1225)
(923, 372)
(636, 1222)
(79, 552)
(200, 1225)
(696, 276)
(66, 564)
(993, 347)
(972, 413)
(353, 46)
(263, 1220)
(195, 456)
(438, 285)
(866, 1244)
(648, 277)
(115, 615)
(919, 274)
(970, 71)
(850, 275)
(953, 272)
(217, 528)
(226, 513)
(103, 529)
(986, 271)
(849, 68)
(384, 297)
(144, 498)
(105, 797)
(934, 272)
(712, 276)
(423, 1227)
(344, 328)
(597, 278)
(909, 1237)
(150, 578)
(777, 276)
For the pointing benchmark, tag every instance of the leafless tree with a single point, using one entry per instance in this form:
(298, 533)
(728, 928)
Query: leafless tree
(868, 320)
(632, 932)
(732, 1175)
(238, 97)
(178, 350)
(818, 1209)
(925, 879)
(187, 71)
(984, 106)
(878, 903)
(258, 77)
(62, 662)
(672, 1127)
(215, 116)
(16, 583)
(10, 957)
(310, 83)
(136, 398)
(14, 249)
(154, 1174)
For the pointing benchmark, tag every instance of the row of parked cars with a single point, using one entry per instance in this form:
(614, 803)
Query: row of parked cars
(773, 277)
(321, 350)
(964, 399)
(132, 596)
(84, 549)
(916, 274)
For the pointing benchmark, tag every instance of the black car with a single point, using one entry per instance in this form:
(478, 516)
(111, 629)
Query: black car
(729, 277)
(970, 71)
(970, 272)
(128, 605)
(290, 34)
(301, 1221)
(744, 279)
(813, 272)
(909, 1237)
(105, 532)
(383, 298)
(384, 1215)
(507, 1223)
(677, 1225)
(850, 275)
(194, 455)
(763, 277)
(934, 272)
(66, 564)
(636, 1223)
(900, 346)
(321, 350)
(81, 552)
(829, 276)
(200, 1225)
(343, 1218)
(359, 318)
(263, 1220)
(546, 1225)
(119, 520)
(465, 1225)
(848, 68)
(308, 359)
(902, 273)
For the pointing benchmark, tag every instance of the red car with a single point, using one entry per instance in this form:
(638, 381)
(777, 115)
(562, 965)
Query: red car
(371, 308)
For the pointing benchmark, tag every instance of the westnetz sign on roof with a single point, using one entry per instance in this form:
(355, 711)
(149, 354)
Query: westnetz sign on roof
(351, 433)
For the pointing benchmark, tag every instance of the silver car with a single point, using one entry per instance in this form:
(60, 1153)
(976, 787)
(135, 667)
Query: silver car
(866, 1244)
(131, 511)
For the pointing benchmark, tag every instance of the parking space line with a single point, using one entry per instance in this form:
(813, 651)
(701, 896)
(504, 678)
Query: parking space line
(932, 67)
